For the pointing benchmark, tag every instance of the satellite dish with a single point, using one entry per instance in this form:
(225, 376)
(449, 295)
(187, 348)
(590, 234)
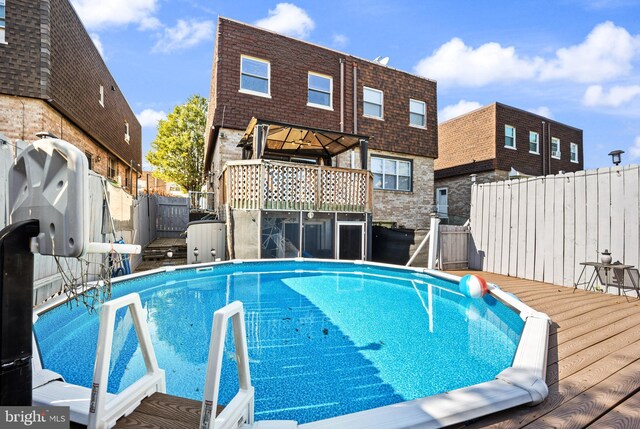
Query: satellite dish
(384, 61)
(377, 59)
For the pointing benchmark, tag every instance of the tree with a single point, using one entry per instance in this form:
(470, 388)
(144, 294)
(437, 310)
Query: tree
(177, 153)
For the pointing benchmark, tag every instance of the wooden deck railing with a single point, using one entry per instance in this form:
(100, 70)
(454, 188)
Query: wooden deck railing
(274, 185)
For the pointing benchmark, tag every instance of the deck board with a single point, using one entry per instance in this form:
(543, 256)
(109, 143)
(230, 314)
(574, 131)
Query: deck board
(593, 368)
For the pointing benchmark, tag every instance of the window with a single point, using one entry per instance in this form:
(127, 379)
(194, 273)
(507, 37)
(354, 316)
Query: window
(372, 103)
(127, 137)
(509, 137)
(534, 142)
(573, 152)
(112, 169)
(555, 147)
(89, 158)
(417, 113)
(254, 76)
(391, 174)
(442, 202)
(320, 92)
(2, 21)
(101, 99)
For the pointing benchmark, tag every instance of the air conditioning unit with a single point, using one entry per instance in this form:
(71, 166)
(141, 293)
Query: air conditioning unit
(555, 154)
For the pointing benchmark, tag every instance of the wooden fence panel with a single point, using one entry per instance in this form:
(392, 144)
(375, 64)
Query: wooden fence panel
(580, 229)
(495, 252)
(540, 231)
(513, 228)
(523, 215)
(505, 225)
(172, 216)
(542, 228)
(631, 213)
(530, 255)
(454, 247)
(569, 238)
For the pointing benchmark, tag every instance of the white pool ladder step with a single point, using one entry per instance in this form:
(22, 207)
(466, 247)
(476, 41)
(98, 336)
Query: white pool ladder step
(239, 413)
(95, 407)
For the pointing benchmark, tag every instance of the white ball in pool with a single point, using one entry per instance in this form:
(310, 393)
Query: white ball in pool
(473, 286)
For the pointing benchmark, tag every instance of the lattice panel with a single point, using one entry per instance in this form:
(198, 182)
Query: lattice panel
(290, 187)
(244, 181)
(344, 190)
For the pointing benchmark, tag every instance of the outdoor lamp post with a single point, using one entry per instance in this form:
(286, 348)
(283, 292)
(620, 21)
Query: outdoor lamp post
(196, 252)
(213, 254)
(616, 156)
(169, 253)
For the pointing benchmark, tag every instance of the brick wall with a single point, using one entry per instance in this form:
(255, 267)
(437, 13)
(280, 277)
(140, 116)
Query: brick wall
(21, 118)
(50, 56)
(467, 138)
(520, 158)
(290, 61)
(459, 193)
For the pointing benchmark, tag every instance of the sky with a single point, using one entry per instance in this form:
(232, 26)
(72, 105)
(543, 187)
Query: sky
(574, 61)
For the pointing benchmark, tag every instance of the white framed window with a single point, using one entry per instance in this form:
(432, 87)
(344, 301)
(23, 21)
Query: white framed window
(555, 147)
(534, 142)
(101, 99)
(573, 152)
(417, 113)
(391, 174)
(255, 76)
(320, 91)
(509, 136)
(372, 103)
(2, 21)
(442, 202)
(127, 137)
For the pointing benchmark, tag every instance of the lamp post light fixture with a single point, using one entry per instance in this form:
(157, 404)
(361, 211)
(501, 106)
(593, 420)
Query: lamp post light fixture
(169, 253)
(196, 252)
(213, 254)
(616, 156)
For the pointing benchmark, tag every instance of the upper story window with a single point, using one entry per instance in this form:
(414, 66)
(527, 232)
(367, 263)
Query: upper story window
(101, 99)
(555, 147)
(372, 105)
(573, 152)
(534, 142)
(417, 113)
(127, 137)
(320, 91)
(255, 76)
(2, 21)
(89, 160)
(391, 174)
(509, 136)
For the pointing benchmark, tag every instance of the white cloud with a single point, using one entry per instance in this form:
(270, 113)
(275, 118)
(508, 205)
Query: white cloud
(185, 34)
(605, 54)
(455, 63)
(634, 150)
(339, 40)
(460, 108)
(595, 95)
(96, 41)
(288, 19)
(107, 13)
(149, 117)
(542, 111)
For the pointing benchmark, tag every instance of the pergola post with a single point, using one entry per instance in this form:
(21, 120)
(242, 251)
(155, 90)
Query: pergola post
(364, 149)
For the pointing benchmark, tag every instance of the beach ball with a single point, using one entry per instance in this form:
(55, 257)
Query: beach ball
(473, 286)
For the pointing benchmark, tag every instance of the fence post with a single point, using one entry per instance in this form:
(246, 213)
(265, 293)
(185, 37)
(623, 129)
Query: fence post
(434, 229)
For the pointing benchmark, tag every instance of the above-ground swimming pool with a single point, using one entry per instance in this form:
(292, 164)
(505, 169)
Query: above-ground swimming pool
(325, 338)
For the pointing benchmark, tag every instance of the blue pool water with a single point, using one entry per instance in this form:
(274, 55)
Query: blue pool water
(324, 339)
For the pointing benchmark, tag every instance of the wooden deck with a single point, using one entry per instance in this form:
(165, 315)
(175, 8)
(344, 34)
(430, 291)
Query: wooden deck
(593, 368)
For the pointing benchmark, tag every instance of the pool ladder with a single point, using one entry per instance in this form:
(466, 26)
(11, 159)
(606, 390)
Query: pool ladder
(239, 413)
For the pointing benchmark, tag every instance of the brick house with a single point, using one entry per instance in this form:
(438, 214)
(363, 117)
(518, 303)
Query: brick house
(496, 142)
(53, 79)
(261, 74)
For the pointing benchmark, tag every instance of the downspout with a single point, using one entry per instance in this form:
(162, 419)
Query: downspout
(355, 109)
(549, 157)
(342, 95)
(543, 150)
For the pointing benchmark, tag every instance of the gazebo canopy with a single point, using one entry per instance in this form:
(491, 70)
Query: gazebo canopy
(299, 141)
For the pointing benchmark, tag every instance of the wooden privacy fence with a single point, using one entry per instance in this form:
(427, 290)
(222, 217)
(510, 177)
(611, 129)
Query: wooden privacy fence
(172, 216)
(453, 252)
(542, 228)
